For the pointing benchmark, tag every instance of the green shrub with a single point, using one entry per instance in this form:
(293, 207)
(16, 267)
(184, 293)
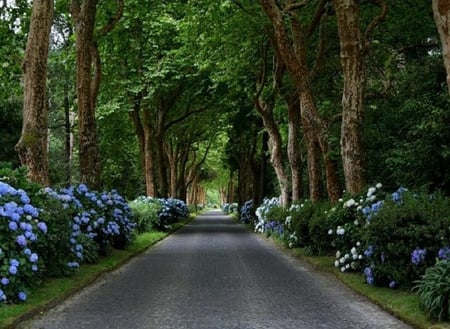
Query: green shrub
(146, 214)
(405, 235)
(299, 222)
(433, 291)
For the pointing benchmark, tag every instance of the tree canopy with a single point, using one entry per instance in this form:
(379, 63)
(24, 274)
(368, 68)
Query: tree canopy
(236, 99)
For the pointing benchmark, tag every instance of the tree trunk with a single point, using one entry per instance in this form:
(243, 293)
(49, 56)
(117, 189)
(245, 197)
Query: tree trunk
(441, 13)
(352, 62)
(32, 146)
(149, 168)
(294, 150)
(293, 52)
(313, 162)
(87, 87)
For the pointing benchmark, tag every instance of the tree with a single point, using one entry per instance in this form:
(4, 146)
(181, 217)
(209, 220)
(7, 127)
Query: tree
(441, 14)
(32, 145)
(354, 48)
(291, 36)
(89, 76)
(265, 107)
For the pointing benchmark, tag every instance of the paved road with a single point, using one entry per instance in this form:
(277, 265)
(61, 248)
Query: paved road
(211, 274)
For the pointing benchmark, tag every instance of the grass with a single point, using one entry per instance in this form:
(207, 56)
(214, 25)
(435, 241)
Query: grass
(55, 290)
(401, 303)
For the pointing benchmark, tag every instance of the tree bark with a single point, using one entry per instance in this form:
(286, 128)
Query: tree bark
(84, 19)
(149, 158)
(89, 75)
(293, 149)
(32, 146)
(293, 50)
(441, 14)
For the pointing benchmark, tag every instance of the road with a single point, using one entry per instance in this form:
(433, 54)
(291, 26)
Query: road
(213, 273)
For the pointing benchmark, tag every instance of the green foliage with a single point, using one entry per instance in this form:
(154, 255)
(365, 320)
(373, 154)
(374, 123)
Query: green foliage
(433, 290)
(300, 220)
(417, 221)
(146, 214)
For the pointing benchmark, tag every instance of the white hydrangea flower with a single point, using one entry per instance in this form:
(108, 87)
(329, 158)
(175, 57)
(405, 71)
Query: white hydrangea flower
(343, 269)
(336, 263)
(353, 251)
(349, 203)
(379, 185)
(338, 254)
(330, 231)
(371, 191)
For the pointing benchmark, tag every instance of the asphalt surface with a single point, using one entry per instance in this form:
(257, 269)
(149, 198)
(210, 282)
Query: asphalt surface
(213, 273)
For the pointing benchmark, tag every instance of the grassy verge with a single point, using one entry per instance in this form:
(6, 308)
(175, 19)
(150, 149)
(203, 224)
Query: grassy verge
(403, 304)
(55, 290)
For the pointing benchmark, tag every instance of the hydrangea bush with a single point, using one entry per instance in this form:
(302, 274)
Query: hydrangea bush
(172, 210)
(103, 217)
(263, 220)
(160, 214)
(246, 213)
(405, 236)
(20, 230)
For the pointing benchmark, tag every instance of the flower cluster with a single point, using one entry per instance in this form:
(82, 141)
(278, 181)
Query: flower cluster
(20, 230)
(246, 212)
(350, 261)
(102, 217)
(172, 210)
(418, 256)
(261, 214)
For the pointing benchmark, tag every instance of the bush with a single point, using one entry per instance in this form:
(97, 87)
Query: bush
(262, 213)
(404, 237)
(56, 250)
(433, 291)
(172, 211)
(246, 214)
(104, 217)
(20, 229)
(146, 213)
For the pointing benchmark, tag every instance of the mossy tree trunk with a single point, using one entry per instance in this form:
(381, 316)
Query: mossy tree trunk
(32, 146)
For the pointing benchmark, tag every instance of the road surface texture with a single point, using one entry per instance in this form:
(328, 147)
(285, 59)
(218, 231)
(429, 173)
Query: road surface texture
(213, 273)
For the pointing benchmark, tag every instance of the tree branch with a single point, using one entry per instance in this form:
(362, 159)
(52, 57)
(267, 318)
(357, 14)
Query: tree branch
(113, 20)
(374, 23)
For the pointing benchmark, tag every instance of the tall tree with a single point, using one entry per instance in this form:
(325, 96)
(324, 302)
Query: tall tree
(89, 76)
(265, 107)
(441, 14)
(354, 48)
(32, 145)
(291, 35)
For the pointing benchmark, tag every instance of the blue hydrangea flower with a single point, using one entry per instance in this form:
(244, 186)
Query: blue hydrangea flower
(42, 227)
(13, 270)
(4, 281)
(22, 296)
(21, 240)
(418, 256)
